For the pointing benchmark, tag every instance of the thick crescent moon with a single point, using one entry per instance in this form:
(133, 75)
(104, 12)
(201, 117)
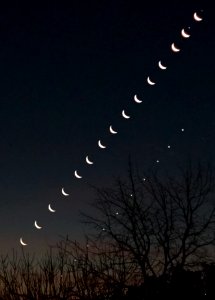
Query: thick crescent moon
(22, 243)
(64, 193)
(76, 174)
(174, 48)
(124, 115)
(89, 162)
(36, 225)
(161, 66)
(51, 209)
(185, 34)
(196, 17)
(137, 100)
(100, 145)
(111, 130)
(149, 81)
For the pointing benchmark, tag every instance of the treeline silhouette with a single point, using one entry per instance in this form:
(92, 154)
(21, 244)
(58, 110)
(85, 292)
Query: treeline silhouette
(150, 237)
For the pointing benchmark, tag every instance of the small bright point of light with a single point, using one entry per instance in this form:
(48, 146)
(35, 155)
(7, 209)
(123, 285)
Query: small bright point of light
(144, 179)
(131, 195)
(168, 146)
(182, 129)
(103, 229)
(117, 213)
(157, 161)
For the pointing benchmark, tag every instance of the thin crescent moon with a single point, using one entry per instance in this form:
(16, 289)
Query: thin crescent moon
(185, 34)
(196, 17)
(36, 225)
(64, 193)
(124, 115)
(100, 145)
(89, 162)
(51, 209)
(137, 100)
(149, 81)
(174, 48)
(161, 66)
(22, 243)
(111, 130)
(76, 175)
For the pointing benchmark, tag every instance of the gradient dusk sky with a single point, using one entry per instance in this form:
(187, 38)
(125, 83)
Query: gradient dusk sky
(67, 70)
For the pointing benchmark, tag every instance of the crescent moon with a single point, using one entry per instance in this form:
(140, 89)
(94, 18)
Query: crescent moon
(64, 193)
(149, 81)
(174, 48)
(89, 162)
(196, 17)
(36, 225)
(136, 99)
(111, 130)
(161, 66)
(124, 115)
(22, 243)
(100, 145)
(185, 34)
(76, 174)
(51, 209)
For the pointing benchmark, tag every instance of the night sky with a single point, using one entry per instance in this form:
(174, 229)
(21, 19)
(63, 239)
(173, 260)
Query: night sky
(67, 71)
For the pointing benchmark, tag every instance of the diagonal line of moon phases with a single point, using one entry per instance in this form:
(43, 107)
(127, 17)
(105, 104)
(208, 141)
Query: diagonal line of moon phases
(100, 145)
(89, 162)
(137, 100)
(22, 243)
(174, 48)
(36, 225)
(185, 34)
(51, 209)
(149, 81)
(196, 17)
(124, 115)
(161, 66)
(63, 192)
(111, 130)
(76, 174)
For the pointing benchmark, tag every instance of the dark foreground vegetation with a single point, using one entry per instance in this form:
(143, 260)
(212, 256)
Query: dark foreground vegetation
(151, 237)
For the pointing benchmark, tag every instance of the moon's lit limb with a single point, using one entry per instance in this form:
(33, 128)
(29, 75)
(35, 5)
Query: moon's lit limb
(150, 81)
(197, 17)
(22, 243)
(174, 48)
(100, 145)
(137, 100)
(51, 209)
(125, 115)
(64, 193)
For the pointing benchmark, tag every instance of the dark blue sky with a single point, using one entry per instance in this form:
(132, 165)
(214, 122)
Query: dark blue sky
(66, 72)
